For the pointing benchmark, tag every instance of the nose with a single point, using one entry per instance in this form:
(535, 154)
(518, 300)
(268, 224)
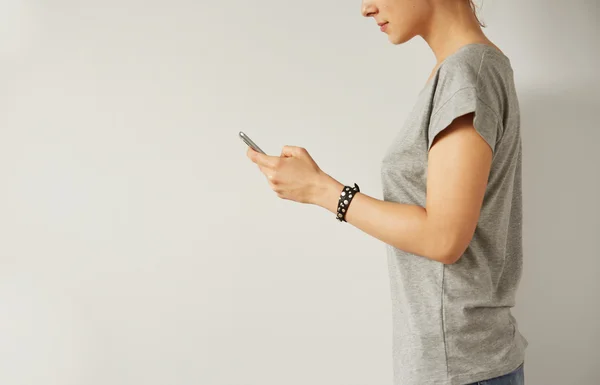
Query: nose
(368, 9)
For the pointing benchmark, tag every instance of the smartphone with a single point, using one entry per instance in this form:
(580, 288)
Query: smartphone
(250, 143)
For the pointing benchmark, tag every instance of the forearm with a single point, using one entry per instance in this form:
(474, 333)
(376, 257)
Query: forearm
(406, 227)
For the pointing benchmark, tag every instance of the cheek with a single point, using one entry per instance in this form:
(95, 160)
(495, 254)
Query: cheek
(400, 29)
(408, 19)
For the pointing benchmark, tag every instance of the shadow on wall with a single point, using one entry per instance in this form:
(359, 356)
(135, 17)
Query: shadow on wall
(559, 305)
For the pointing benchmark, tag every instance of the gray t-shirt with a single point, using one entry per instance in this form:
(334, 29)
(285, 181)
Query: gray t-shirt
(452, 324)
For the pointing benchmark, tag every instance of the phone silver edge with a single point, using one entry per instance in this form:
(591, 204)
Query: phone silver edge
(249, 142)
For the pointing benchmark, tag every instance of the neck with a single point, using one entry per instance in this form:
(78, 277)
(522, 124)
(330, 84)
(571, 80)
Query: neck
(453, 24)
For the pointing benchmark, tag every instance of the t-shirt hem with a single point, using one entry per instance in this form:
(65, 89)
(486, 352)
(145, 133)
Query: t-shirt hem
(481, 376)
(470, 378)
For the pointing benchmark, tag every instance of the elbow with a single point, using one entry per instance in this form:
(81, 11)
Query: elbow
(451, 251)
(450, 258)
(447, 241)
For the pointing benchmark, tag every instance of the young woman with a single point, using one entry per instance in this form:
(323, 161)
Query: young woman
(451, 216)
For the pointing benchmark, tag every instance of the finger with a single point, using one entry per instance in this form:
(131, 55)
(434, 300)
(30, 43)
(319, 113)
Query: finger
(289, 151)
(267, 172)
(286, 152)
(251, 153)
(265, 160)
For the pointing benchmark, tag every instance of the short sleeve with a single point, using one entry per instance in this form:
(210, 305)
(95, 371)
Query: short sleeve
(462, 102)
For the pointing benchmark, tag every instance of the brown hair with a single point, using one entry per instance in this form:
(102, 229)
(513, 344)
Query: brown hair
(474, 8)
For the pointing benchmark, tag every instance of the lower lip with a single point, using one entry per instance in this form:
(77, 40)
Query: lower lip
(383, 27)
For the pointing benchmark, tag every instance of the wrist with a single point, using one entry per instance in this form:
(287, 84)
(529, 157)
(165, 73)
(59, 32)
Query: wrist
(327, 192)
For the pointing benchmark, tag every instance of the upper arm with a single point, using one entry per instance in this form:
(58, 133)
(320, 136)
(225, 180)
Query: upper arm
(459, 163)
(464, 130)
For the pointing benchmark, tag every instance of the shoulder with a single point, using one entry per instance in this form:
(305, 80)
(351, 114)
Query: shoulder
(483, 69)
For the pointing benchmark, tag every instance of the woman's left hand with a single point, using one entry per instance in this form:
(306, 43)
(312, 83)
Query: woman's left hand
(294, 175)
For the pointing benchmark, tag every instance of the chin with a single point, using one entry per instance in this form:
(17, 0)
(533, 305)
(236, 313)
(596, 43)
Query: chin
(398, 39)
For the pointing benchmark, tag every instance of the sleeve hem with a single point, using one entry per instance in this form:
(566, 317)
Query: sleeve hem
(465, 101)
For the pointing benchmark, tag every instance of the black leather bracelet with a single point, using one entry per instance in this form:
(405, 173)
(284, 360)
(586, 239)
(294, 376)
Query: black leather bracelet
(346, 197)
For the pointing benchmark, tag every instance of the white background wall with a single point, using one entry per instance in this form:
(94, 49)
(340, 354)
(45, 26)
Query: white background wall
(139, 245)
